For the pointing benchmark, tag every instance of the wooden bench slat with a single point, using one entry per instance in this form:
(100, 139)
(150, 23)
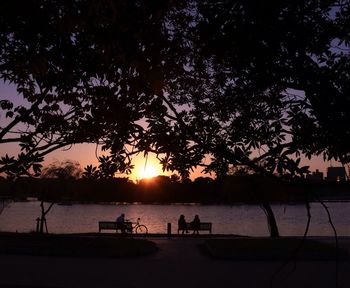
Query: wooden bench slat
(110, 225)
(203, 226)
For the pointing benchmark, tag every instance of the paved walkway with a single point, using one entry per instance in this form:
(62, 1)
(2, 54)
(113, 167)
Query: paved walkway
(179, 263)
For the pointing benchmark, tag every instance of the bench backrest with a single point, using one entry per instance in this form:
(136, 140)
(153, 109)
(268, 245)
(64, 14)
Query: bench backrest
(107, 225)
(113, 225)
(205, 226)
(202, 226)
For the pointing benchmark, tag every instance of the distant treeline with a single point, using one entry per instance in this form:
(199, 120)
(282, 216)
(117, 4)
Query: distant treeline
(231, 189)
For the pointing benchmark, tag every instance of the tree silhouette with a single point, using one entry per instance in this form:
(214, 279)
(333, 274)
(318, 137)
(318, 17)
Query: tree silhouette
(218, 83)
(67, 169)
(275, 83)
(228, 86)
(91, 172)
(81, 80)
(264, 88)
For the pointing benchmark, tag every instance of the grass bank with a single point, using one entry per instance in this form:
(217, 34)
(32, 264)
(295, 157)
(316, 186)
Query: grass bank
(74, 245)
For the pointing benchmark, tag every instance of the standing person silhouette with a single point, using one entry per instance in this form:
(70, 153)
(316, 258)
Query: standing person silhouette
(182, 225)
(196, 224)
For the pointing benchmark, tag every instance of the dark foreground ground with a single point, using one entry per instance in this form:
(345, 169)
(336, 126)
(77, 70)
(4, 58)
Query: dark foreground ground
(179, 262)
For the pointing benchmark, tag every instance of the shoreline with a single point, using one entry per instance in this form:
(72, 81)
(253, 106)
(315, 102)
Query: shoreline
(64, 202)
(173, 235)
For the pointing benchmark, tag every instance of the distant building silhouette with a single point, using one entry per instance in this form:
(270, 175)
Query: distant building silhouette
(316, 176)
(336, 174)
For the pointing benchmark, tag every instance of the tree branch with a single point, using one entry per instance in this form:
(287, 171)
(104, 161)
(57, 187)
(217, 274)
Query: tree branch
(21, 117)
(10, 140)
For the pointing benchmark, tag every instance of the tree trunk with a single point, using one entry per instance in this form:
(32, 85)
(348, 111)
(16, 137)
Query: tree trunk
(43, 216)
(42, 221)
(271, 220)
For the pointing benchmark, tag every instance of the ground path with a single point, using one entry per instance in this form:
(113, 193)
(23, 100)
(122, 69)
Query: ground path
(179, 263)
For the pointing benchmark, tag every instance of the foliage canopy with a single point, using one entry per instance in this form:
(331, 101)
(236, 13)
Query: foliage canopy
(239, 82)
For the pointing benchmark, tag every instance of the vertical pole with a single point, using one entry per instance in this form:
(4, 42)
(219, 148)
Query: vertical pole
(169, 229)
(47, 231)
(37, 224)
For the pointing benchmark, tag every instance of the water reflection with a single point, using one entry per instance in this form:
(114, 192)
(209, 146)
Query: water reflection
(238, 219)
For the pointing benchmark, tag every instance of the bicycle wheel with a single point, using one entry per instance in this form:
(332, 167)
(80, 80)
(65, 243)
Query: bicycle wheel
(141, 229)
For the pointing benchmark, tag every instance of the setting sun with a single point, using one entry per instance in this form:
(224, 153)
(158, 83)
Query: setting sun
(147, 167)
(148, 172)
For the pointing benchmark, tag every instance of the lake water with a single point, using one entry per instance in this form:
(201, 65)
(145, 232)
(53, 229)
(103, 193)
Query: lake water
(227, 219)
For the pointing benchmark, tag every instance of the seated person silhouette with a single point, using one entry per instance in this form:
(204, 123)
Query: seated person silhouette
(182, 224)
(121, 223)
(195, 224)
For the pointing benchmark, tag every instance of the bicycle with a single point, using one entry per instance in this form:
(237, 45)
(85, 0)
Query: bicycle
(137, 227)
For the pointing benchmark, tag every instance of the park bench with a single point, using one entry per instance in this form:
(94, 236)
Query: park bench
(111, 225)
(204, 226)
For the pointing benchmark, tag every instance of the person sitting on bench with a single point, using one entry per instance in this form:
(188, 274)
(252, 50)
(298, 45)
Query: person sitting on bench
(182, 224)
(121, 222)
(195, 224)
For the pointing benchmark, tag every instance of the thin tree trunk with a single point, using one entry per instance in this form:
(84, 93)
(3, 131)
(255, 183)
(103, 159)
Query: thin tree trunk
(336, 243)
(271, 220)
(43, 216)
(297, 249)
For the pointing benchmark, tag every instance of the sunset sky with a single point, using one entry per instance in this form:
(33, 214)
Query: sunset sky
(85, 153)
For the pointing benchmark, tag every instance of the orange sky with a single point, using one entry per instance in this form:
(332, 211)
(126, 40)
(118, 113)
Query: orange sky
(85, 153)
